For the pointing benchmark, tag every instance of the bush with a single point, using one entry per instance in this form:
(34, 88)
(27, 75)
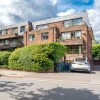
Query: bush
(4, 58)
(96, 50)
(36, 57)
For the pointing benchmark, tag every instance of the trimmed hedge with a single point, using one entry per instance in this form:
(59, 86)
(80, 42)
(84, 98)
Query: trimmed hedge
(96, 50)
(4, 58)
(36, 57)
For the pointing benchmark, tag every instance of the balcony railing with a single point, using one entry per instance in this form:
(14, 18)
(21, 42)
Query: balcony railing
(8, 36)
(72, 41)
(74, 51)
(10, 45)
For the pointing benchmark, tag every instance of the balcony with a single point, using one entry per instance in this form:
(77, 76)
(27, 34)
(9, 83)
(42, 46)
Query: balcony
(8, 36)
(72, 42)
(10, 45)
(73, 56)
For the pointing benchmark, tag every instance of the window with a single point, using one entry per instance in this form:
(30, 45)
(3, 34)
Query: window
(66, 35)
(78, 21)
(4, 32)
(15, 30)
(5, 42)
(31, 37)
(14, 41)
(73, 22)
(44, 36)
(68, 23)
(22, 29)
(42, 26)
(78, 34)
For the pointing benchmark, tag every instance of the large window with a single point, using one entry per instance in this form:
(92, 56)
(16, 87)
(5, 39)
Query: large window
(78, 34)
(22, 29)
(78, 21)
(5, 42)
(68, 23)
(72, 35)
(42, 26)
(31, 37)
(44, 36)
(73, 22)
(4, 32)
(66, 35)
(15, 30)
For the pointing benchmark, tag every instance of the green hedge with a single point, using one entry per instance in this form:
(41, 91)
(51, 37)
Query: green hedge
(36, 57)
(4, 58)
(96, 50)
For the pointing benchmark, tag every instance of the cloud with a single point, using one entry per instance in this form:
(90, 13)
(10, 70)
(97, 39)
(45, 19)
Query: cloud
(94, 16)
(68, 12)
(14, 11)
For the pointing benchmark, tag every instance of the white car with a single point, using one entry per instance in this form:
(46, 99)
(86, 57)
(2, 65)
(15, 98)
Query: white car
(81, 64)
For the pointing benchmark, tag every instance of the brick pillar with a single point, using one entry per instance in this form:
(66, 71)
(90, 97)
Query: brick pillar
(25, 38)
(55, 35)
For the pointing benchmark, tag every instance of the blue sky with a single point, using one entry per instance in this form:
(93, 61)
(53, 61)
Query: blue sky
(15, 11)
(75, 4)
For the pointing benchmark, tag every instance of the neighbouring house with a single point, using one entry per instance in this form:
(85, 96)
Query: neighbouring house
(73, 31)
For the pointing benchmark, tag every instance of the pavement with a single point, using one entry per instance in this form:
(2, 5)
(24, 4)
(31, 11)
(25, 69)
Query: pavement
(84, 78)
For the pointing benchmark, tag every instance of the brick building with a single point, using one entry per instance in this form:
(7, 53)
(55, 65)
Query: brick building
(73, 31)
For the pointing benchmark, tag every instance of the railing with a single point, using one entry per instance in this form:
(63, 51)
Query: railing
(73, 51)
(8, 35)
(72, 41)
(10, 45)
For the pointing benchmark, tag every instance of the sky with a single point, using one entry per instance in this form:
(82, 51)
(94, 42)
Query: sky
(15, 11)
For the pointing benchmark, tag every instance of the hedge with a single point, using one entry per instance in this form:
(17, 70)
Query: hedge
(36, 57)
(4, 58)
(96, 50)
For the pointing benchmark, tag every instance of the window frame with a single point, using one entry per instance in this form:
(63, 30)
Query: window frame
(46, 36)
(30, 36)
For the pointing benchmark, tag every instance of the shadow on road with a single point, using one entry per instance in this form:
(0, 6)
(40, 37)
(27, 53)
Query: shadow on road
(20, 92)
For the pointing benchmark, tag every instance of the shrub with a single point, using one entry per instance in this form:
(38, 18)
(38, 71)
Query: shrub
(96, 50)
(4, 57)
(36, 57)
(55, 51)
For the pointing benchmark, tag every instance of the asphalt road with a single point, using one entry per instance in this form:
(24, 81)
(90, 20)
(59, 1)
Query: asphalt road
(43, 89)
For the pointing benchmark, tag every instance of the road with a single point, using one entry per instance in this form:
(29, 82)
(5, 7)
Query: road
(44, 89)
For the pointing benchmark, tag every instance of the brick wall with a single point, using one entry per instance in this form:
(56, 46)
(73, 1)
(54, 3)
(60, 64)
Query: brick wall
(52, 36)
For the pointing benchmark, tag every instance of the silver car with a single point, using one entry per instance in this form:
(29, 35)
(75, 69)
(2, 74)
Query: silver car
(81, 64)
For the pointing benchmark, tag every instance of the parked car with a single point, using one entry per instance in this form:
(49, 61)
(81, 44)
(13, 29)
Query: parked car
(81, 64)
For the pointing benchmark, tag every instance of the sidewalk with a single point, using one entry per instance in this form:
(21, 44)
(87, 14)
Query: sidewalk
(83, 78)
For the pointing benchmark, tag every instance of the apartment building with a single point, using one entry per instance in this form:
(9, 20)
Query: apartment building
(11, 36)
(74, 31)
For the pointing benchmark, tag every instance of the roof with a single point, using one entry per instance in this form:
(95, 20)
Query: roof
(57, 19)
